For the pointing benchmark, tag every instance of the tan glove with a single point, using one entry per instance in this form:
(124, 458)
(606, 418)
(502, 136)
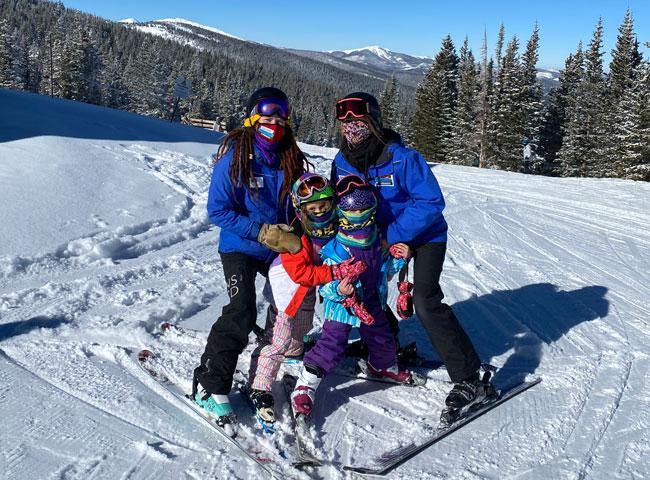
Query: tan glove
(279, 238)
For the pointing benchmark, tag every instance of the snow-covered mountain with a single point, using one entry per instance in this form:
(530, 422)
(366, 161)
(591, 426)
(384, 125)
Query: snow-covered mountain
(105, 235)
(183, 31)
(384, 59)
(372, 61)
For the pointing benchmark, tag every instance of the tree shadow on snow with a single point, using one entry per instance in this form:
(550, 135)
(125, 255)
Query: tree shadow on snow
(521, 320)
(14, 329)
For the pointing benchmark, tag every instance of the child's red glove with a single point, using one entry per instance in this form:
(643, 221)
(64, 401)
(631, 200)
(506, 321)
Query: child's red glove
(404, 300)
(350, 268)
(358, 310)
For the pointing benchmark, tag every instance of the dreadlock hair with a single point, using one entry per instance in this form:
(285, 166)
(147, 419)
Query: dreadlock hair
(292, 161)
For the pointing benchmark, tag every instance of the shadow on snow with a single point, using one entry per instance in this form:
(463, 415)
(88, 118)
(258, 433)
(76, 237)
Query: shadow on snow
(14, 329)
(521, 320)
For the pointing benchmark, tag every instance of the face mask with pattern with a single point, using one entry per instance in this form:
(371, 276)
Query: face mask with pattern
(357, 229)
(323, 226)
(356, 131)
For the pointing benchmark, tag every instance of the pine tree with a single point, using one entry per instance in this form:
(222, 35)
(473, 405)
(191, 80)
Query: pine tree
(641, 170)
(583, 150)
(555, 113)
(52, 59)
(625, 57)
(78, 67)
(6, 56)
(623, 100)
(203, 106)
(114, 93)
(149, 79)
(389, 103)
(531, 100)
(506, 127)
(435, 103)
(484, 103)
(499, 46)
(464, 144)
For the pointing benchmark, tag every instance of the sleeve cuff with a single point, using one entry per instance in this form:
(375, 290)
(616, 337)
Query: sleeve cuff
(255, 230)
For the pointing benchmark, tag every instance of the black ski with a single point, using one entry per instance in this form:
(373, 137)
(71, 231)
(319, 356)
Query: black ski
(146, 360)
(300, 427)
(389, 460)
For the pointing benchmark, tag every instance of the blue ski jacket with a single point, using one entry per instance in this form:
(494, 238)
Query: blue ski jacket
(411, 203)
(335, 252)
(240, 212)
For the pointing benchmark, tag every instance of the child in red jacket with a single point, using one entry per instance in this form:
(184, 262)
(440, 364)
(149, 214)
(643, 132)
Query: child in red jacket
(293, 278)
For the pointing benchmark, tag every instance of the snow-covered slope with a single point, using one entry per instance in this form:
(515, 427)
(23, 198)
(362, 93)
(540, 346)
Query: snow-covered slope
(104, 236)
(183, 31)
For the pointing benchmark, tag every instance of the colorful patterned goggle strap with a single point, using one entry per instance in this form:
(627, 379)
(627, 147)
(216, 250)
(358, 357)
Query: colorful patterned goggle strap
(346, 183)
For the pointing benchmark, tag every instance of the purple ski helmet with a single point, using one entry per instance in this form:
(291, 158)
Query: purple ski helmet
(358, 199)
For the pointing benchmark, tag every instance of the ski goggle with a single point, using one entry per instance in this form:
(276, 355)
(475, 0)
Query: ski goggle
(355, 107)
(348, 182)
(268, 107)
(306, 187)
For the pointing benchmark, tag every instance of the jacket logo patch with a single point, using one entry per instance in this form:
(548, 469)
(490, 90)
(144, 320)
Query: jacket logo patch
(257, 182)
(385, 181)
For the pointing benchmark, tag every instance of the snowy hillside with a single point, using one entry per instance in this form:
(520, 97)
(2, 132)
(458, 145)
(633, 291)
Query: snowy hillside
(104, 236)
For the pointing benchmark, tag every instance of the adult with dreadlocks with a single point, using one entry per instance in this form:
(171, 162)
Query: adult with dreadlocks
(410, 211)
(249, 200)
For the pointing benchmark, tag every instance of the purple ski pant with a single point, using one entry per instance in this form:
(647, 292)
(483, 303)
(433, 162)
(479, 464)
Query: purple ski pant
(330, 348)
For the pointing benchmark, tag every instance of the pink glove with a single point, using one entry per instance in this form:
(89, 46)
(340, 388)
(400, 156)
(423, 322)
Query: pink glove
(394, 251)
(404, 300)
(350, 268)
(358, 310)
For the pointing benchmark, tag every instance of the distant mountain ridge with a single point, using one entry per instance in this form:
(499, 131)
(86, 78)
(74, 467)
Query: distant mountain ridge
(385, 59)
(371, 61)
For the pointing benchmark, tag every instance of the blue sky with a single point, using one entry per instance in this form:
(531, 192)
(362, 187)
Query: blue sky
(413, 27)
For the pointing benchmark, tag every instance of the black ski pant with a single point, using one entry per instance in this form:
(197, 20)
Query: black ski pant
(229, 334)
(445, 332)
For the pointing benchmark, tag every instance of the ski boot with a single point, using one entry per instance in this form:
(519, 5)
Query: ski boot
(467, 394)
(217, 406)
(263, 402)
(407, 353)
(397, 374)
(302, 398)
(357, 348)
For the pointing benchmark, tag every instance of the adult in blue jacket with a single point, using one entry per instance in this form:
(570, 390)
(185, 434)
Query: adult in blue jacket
(410, 211)
(249, 200)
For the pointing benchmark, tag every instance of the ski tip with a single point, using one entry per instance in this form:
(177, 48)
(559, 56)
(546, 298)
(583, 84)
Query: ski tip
(144, 355)
(166, 326)
(306, 463)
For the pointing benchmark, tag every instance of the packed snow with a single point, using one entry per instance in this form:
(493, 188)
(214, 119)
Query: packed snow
(105, 237)
(178, 22)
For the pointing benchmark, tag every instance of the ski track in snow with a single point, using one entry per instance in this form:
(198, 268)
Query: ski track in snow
(548, 279)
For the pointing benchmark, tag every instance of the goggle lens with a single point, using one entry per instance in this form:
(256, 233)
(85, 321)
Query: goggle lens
(307, 187)
(271, 106)
(355, 107)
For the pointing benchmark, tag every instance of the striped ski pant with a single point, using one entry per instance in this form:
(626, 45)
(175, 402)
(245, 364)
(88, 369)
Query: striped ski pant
(283, 336)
